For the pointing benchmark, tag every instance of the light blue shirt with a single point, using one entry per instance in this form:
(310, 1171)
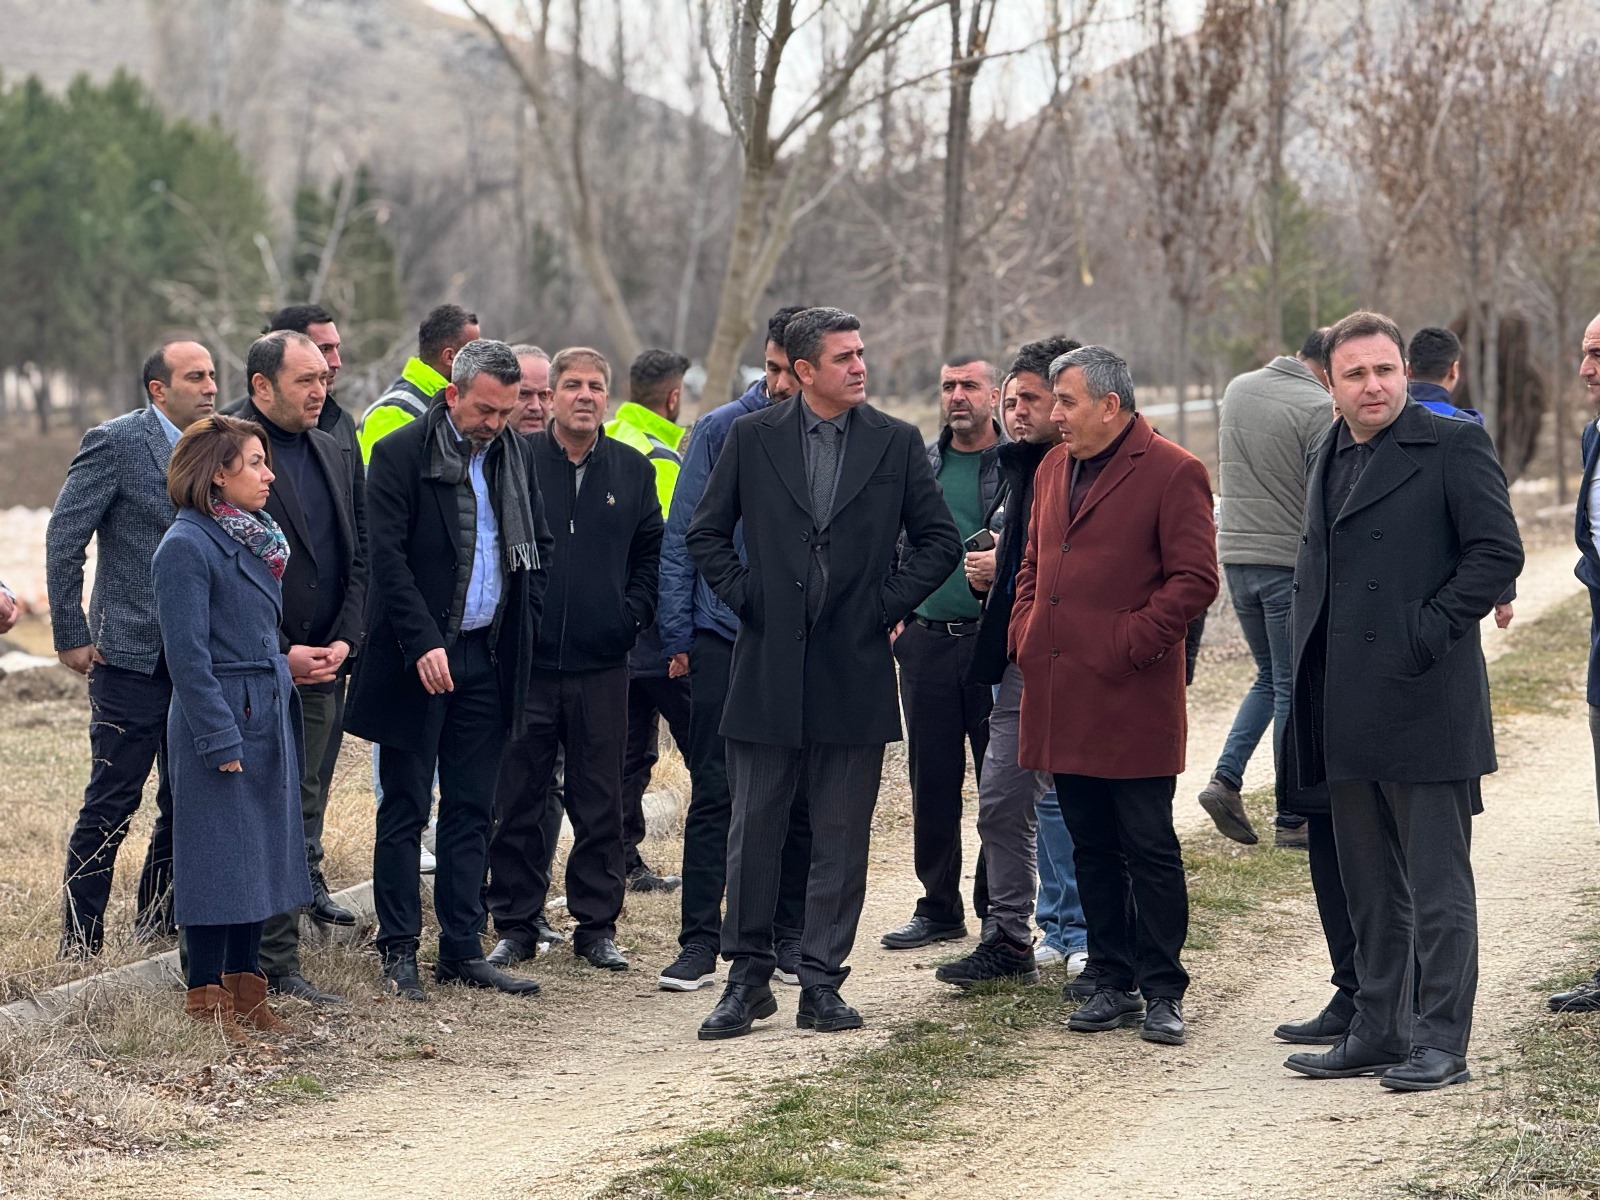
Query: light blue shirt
(173, 432)
(484, 584)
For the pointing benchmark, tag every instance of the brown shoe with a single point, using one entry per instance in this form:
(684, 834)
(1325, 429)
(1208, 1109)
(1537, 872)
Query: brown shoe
(214, 1005)
(1291, 837)
(249, 992)
(1226, 808)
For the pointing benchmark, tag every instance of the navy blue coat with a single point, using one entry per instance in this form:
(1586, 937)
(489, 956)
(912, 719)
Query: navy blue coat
(1588, 568)
(238, 839)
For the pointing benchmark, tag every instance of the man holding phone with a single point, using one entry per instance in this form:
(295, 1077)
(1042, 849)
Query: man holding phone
(945, 713)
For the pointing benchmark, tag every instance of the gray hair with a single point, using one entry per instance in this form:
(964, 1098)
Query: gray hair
(486, 356)
(529, 350)
(1103, 371)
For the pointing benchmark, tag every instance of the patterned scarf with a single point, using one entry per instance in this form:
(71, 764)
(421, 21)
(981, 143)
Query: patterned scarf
(257, 532)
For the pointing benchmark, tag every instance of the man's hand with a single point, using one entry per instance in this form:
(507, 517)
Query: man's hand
(433, 668)
(980, 569)
(8, 611)
(233, 768)
(896, 630)
(1502, 615)
(678, 665)
(80, 659)
(317, 664)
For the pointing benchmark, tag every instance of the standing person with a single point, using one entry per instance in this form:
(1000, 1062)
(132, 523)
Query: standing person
(440, 337)
(697, 635)
(234, 731)
(318, 500)
(317, 323)
(1121, 557)
(1433, 368)
(1020, 850)
(824, 484)
(601, 499)
(459, 554)
(1409, 538)
(648, 421)
(534, 392)
(946, 712)
(1585, 997)
(1269, 421)
(116, 493)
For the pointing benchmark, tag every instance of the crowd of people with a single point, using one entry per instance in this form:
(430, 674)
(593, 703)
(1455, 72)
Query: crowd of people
(504, 584)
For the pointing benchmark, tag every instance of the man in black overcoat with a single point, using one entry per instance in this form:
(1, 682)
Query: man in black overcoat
(1409, 539)
(824, 484)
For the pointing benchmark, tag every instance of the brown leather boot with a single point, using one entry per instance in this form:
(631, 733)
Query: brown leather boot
(249, 992)
(214, 1005)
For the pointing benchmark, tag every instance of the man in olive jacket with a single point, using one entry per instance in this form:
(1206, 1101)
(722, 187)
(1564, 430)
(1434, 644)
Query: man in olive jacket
(1409, 539)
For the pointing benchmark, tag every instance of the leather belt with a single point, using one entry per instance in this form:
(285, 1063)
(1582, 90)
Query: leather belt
(953, 628)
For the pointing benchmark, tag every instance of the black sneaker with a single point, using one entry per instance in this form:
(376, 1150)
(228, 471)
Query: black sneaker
(694, 968)
(643, 879)
(1086, 984)
(991, 960)
(787, 951)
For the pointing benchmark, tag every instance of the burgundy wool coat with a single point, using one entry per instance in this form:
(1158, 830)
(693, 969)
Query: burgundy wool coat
(1103, 603)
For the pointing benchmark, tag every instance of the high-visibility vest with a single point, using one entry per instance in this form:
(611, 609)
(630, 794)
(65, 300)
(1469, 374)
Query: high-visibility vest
(407, 399)
(655, 437)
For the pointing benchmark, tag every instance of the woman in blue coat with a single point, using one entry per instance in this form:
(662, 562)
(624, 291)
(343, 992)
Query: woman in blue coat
(233, 732)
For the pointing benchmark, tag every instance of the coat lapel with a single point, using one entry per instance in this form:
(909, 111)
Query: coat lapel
(155, 437)
(334, 470)
(864, 448)
(251, 567)
(1118, 469)
(1391, 465)
(779, 433)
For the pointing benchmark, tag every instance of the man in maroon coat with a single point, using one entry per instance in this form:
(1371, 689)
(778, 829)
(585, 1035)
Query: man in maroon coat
(1121, 556)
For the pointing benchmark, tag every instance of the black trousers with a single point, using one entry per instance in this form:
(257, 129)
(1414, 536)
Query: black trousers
(1405, 855)
(705, 828)
(841, 784)
(462, 736)
(127, 736)
(945, 715)
(1130, 878)
(212, 951)
(1333, 909)
(586, 714)
(650, 697)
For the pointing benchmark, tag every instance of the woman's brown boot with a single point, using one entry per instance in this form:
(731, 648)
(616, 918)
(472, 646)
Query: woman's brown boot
(214, 1005)
(249, 992)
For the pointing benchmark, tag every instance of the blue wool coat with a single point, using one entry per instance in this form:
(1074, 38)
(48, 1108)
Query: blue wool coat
(238, 839)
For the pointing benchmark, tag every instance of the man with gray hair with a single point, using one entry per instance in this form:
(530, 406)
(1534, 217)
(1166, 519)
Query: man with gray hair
(1121, 556)
(459, 551)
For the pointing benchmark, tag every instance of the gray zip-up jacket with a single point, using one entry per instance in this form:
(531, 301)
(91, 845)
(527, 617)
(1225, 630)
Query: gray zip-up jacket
(1270, 420)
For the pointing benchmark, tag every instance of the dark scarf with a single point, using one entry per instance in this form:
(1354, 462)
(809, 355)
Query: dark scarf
(257, 532)
(447, 462)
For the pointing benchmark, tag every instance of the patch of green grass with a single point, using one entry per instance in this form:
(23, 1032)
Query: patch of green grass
(298, 1084)
(1227, 881)
(1543, 672)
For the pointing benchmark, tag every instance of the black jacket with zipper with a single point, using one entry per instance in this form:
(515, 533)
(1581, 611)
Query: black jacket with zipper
(607, 556)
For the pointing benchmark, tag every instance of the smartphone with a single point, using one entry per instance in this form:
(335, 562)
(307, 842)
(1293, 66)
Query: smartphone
(982, 540)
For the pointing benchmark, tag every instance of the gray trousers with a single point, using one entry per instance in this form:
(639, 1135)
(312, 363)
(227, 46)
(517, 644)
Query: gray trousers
(841, 786)
(1008, 820)
(1405, 856)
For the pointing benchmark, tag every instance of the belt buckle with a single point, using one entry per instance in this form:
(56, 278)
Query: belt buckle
(950, 627)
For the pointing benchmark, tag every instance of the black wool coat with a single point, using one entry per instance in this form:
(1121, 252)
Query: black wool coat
(833, 683)
(1387, 604)
(414, 532)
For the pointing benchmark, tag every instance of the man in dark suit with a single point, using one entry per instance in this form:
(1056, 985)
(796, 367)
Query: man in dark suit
(824, 484)
(459, 548)
(1409, 540)
(319, 501)
(116, 493)
(1586, 996)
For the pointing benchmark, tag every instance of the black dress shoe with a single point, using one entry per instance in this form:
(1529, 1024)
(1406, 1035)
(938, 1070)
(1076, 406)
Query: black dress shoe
(508, 952)
(1108, 1008)
(1327, 1028)
(742, 1004)
(920, 931)
(322, 908)
(1351, 1057)
(1584, 998)
(1163, 1022)
(1427, 1070)
(477, 973)
(297, 987)
(603, 954)
(544, 932)
(400, 973)
(823, 1009)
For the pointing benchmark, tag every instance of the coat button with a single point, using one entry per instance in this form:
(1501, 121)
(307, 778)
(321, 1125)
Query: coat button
(805, 537)
(1304, 539)
(1370, 636)
(1372, 585)
(800, 585)
(305, 624)
(266, 641)
(1054, 653)
(1065, 547)
(312, 585)
(1055, 599)
(1376, 534)
(1295, 586)
(799, 635)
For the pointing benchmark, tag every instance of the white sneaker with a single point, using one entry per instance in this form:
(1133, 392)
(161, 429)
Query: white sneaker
(428, 864)
(1046, 955)
(430, 836)
(1076, 962)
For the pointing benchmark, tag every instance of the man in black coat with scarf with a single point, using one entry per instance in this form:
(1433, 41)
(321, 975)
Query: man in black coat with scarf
(1409, 539)
(824, 484)
(459, 549)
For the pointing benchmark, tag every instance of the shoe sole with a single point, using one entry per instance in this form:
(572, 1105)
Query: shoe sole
(1347, 1073)
(1163, 1039)
(760, 1014)
(1306, 1039)
(1122, 1022)
(670, 983)
(343, 923)
(1577, 1006)
(792, 978)
(1415, 1085)
(1024, 977)
(1228, 825)
(953, 935)
(806, 1021)
(620, 967)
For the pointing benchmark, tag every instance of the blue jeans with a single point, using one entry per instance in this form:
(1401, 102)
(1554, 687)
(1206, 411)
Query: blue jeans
(1261, 598)
(1060, 912)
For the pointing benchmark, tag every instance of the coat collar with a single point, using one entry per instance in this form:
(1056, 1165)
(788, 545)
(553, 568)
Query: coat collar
(778, 429)
(256, 571)
(1122, 464)
(1390, 467)
(155, 437)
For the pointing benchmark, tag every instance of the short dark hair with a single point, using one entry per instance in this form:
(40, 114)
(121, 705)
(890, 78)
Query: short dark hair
(1311, 349)
(441, 329)
(485, 356)
(1357, 325)
(298, 318)
(992, 372)
(265, 356)
(778, 323)
(1432, 353)
(156, 369)
(210, 445)
(802, 337)
(572, 356)
(653, 376)
(1036, 357)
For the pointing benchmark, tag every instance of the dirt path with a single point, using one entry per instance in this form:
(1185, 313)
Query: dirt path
(553, 1098)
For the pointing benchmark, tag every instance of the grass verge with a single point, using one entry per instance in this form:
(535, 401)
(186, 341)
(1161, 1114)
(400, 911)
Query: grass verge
(1543, 672)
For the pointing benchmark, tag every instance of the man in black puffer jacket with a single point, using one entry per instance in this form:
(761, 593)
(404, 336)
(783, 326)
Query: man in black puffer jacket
(601, 503)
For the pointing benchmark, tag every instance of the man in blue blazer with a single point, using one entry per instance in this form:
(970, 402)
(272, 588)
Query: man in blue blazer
(1586, 996)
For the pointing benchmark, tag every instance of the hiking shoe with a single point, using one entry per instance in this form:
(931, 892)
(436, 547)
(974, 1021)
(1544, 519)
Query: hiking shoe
(1291, 837)
(643, 879)
(991, 960)
(1225, 805)
(694, 968)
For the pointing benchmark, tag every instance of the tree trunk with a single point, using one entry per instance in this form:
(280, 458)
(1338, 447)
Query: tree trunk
(733, 323)
(1277, 122)
(1180, 372)
(1558, 398)
(958, 133)
(1489, 397)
